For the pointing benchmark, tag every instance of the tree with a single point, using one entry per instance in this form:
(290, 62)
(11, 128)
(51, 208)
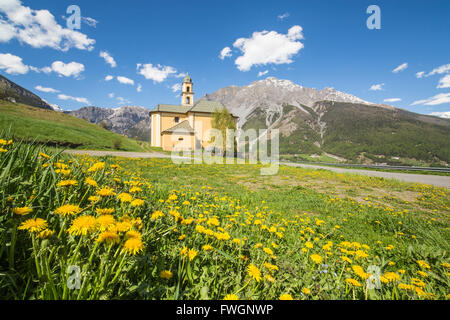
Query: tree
(223, 120)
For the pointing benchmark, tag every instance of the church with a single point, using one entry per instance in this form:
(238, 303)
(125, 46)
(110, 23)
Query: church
(184, 125)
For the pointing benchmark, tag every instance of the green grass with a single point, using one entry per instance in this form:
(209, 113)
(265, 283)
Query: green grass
(61, 130)
(297, 228)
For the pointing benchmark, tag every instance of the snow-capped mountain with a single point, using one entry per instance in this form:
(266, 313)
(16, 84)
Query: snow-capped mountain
(271, 93)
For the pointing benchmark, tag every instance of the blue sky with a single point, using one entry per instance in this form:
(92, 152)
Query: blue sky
(154, 43)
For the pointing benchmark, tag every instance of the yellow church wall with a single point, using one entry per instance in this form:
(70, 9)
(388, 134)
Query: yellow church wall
(203, 123)
(168, 119)
(170, 140)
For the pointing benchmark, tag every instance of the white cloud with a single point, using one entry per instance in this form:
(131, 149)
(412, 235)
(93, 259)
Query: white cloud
(77, 99)
(44, 89)
(109, 77)
(376, 87)
(392, 100)
(435, 100)
(66, 69)
(109, 60)
(91, 22)
(176, 87)
(12, 64)
(444, 114)
(157, 73)
(139, 88)
(125, 80)
(444, 82)
(401, 67)
(123, 100)
(225, 52)
(283, 16)
(261, 73)
(268, 47)
(38, 28)
(111, 95)
(7, 31)
(420, 74)
(439, 70)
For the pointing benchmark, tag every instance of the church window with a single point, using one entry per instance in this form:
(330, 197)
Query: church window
(177, 119)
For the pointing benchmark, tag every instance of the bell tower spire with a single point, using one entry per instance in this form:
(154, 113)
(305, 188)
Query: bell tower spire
(187, 92)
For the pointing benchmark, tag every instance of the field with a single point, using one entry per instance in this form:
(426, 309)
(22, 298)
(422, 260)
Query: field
(60, 130)
(116, 228)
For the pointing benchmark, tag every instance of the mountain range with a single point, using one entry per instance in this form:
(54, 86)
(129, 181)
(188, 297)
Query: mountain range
(311, 122)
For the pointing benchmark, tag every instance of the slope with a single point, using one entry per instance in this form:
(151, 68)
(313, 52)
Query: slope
(59, 129)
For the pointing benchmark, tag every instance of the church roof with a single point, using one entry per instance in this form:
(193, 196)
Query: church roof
(172, 108)
(201, 106)
(182, 127)
(207, 106)
(187, 78)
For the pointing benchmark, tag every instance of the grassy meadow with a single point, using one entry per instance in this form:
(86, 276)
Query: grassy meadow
(61, 130)
(116, 228)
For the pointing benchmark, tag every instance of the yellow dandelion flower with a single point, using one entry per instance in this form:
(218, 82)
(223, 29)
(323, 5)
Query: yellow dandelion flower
(423, 264)
(156, 215)
(135, 190)
(192, 254)
(269, 278)
(106, 192)
(254, 272)
(316, 258)
(46, 233)
(104, 211)
(108, 237)
(97, 166)
(125, 197)
(407, 287)
(106, 222)
(306, 291)
(231, 296)
(91, 182)
(82, 226)
(123, 226)
(133, 246)
(137, 203)
(286, 296)
(207, 247)
(68, 210)
(268, 251)
(133, 234)
(360, 272)
(166, 274)
(94, 198)
(22, 211)
(392, 276)
(33, 225)
(353, 282)
(67, 183)
(309, 245)
(423, 274)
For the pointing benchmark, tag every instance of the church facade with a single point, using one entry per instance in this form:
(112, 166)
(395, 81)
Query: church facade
(183, 126)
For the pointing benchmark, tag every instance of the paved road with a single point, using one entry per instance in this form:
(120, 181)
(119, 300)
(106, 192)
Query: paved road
(441, 181)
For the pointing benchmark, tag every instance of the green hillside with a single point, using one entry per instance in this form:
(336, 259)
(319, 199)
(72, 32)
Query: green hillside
(59, 129)
(381, 134)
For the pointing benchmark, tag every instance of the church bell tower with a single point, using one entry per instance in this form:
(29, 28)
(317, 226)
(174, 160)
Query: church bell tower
(187, 93)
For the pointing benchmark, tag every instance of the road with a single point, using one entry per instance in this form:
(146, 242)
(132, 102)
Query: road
(440, 181)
